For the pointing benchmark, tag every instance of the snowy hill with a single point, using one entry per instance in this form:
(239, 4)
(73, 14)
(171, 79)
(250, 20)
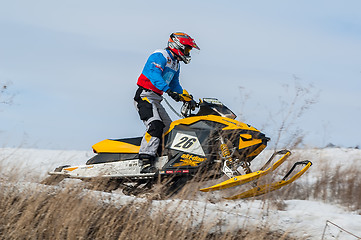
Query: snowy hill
(302, 215)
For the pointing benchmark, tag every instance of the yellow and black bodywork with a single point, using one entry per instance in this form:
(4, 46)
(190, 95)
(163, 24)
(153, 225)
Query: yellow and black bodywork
(211, 139)
(188, 143)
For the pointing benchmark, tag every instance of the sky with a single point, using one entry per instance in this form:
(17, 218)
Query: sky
(288, 68)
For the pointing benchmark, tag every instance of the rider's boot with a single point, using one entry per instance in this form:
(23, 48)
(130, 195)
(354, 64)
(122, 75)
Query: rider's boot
(147, 163)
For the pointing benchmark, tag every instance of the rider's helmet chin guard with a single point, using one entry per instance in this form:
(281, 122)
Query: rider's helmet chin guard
(181, 44)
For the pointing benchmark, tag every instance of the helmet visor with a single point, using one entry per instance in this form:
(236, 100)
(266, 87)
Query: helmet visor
(187, 50)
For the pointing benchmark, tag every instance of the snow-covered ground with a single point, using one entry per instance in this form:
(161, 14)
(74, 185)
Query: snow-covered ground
(303, 219)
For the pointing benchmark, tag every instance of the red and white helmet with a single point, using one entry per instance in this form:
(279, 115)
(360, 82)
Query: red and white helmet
(181, 44)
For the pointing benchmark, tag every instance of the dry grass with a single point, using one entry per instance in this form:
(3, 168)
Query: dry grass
(339, 185)
(67, 213)
(28, 212)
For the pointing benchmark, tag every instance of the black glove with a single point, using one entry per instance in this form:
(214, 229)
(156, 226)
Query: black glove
(174, 95)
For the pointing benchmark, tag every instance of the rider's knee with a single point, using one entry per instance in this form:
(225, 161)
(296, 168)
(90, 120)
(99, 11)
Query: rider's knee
(156, 128)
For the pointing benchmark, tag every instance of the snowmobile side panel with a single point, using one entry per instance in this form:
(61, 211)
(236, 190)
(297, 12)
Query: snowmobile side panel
(242, 179)
(259, 190)
(247, 142)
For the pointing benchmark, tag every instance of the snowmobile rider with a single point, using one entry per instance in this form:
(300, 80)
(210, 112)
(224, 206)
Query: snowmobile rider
(160, 74)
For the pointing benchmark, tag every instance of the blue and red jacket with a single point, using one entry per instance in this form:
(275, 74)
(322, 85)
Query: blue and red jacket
(160, 73)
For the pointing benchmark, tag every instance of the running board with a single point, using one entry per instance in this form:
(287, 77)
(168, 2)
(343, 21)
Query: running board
(135, 176)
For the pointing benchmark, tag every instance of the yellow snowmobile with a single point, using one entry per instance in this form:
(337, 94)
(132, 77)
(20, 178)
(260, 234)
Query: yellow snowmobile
(204, 145)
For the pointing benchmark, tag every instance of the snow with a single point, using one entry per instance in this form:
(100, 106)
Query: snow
(39, 162)
(303, 219)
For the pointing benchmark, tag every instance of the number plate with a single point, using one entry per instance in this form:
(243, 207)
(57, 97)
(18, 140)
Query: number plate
(187, 143)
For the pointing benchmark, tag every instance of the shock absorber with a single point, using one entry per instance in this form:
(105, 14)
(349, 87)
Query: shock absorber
(225, 150)
(226, 154)
(229, 161)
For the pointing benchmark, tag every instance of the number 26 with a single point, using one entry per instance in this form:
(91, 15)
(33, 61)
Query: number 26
(185, 142)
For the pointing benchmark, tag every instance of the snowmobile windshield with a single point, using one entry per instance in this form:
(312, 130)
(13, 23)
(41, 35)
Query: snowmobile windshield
(214, 107)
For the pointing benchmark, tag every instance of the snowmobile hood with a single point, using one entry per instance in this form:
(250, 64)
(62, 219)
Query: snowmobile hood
(230, 124)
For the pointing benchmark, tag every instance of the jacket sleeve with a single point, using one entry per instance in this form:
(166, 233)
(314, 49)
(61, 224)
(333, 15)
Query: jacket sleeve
(155, 66)
(175, 85)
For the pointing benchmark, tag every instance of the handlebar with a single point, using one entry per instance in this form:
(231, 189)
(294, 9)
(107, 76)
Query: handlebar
(207, 106)
(188, 107)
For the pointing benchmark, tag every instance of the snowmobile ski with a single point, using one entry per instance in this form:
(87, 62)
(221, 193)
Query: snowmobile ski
(242, 179)
(266, 188)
